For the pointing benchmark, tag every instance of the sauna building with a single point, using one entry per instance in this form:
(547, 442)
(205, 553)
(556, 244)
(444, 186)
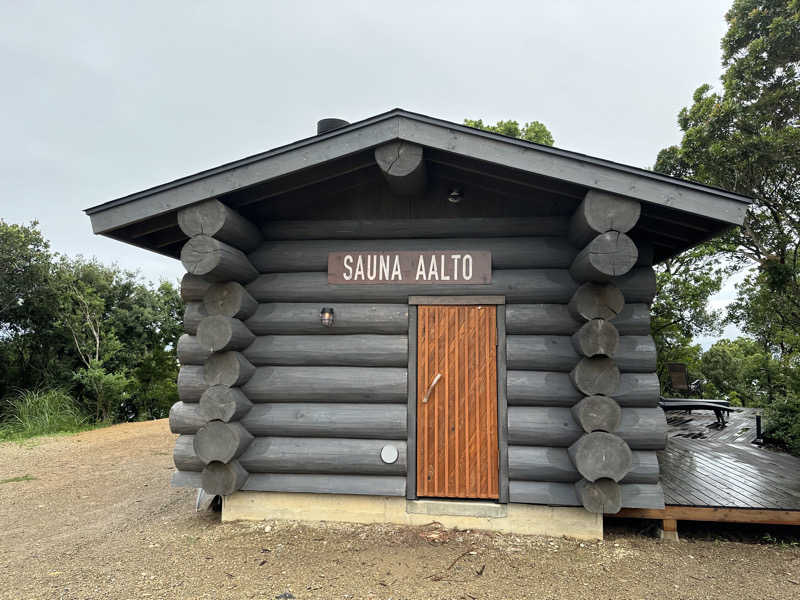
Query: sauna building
(406, 319)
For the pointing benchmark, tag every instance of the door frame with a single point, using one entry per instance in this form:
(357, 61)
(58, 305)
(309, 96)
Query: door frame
(502, 401)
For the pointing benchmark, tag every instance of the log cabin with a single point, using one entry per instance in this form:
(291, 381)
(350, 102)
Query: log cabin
(405, 318)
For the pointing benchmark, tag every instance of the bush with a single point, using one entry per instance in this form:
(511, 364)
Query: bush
(106, 390)
(40, 412)
(154, 389)
(782, 424)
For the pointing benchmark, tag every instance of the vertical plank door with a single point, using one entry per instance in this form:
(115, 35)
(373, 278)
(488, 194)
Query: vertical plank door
(457, 453)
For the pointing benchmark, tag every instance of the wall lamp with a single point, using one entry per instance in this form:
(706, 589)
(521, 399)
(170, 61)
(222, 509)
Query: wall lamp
(326, 317)
(455, 195)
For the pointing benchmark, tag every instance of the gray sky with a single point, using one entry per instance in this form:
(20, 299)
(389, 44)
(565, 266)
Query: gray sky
(101, 99)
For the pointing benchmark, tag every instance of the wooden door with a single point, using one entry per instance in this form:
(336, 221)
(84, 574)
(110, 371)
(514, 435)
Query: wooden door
(457, 451)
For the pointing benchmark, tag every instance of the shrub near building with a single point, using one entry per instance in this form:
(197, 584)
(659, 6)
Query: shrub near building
(85, 342)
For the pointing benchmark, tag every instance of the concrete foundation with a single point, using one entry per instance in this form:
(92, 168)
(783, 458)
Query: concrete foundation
(669, 530)
(524, 519)
(668, 536)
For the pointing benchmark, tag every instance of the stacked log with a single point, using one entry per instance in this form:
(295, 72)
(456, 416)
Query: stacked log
(581, 385)
(289, 405)
(518, 286)
(270, 398)
(602, 453)
(213, 366)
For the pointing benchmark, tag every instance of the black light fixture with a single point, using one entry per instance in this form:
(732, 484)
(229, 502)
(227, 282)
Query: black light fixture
(326, 317)
(455, 196)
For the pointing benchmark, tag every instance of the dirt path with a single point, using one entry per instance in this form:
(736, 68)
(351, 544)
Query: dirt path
(96, 518)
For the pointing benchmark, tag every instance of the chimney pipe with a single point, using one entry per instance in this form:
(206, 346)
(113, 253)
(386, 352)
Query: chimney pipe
(326, 125)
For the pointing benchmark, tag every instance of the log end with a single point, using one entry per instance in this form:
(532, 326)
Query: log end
(227, 368)
(201, 255)
(203, 218)
(600, 212)
(597, 337)
(611, 254)
(222, 479)
(222, 403)
(215, 219)
(218, 333)
(216, 261)
(596, 301)
(221, 442)
(603, 496)
(403, 166)
(596, 376)
(229, 299)
(597, 413)
(601, 455)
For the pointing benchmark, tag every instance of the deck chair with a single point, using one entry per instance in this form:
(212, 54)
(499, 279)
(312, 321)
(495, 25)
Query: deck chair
(679, 380)
(679, 383)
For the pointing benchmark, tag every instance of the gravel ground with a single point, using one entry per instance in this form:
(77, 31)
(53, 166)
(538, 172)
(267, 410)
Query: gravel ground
(92, 516)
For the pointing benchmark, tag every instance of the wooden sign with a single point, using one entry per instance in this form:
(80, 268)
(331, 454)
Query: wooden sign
(440, 267)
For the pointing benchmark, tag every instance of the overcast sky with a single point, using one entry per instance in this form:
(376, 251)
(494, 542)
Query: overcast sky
(101, 99)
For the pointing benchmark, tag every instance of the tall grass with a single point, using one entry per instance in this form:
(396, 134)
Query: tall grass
(30, 413)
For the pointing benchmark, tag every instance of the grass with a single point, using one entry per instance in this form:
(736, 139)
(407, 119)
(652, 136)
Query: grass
(17, 479)
(31, 413)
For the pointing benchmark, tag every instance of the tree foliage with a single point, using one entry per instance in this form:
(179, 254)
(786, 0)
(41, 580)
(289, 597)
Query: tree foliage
(742, 371)
(535, 131)
(25, 264)
(94, 331)
(680, 311)
(745, 137)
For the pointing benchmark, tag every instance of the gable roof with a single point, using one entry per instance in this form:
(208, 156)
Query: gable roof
(673, 195)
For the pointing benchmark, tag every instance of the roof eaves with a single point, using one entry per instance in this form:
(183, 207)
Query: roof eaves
(576, 156)
(243, 162)
(428, 131)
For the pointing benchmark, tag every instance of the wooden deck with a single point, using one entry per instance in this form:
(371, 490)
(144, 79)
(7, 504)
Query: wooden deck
(701, 425)
(712, 473)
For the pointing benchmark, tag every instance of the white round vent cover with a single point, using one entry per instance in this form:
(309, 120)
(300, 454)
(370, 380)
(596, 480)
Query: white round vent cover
(389, 454)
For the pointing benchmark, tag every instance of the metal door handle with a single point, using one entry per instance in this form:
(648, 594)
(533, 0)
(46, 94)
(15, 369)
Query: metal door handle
(430, 388)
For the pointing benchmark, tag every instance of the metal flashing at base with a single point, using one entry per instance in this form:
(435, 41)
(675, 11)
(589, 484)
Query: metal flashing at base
(522, 519)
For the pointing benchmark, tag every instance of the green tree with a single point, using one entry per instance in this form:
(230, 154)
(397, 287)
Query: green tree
(30, 343)
(746, 138)
(24, 273)
(85, 292)
(680, 310)
(535, 131)
(125, 335)
(741, 371)
(97, 332)
(106, 391)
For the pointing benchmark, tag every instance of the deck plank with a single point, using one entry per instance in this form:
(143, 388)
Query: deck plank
(683, 471)
(736, 476)
(704, 465)
(766, 476)
(719, 485)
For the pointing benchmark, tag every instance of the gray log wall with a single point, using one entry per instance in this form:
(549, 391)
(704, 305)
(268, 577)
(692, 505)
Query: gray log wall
(272, 400)
(212, 438)
(293, 405)
(583, 416)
